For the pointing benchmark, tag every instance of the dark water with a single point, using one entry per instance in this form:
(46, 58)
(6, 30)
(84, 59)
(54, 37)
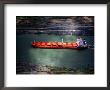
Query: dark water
(54, 57)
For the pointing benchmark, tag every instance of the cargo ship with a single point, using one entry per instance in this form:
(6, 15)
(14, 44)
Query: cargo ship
(58, 45)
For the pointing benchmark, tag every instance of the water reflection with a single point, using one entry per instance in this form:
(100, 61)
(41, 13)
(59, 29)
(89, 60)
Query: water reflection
(55, 57)
(48, 28)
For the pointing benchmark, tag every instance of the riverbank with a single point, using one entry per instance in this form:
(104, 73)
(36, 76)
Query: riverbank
(29, 68)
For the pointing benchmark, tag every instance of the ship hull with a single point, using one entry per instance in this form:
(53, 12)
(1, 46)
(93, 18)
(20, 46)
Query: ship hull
(57, 45)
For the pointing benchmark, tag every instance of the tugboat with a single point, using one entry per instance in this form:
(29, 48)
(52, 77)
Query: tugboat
(59, 45)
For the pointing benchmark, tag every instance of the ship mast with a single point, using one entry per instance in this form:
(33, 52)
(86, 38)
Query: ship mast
(62, 40)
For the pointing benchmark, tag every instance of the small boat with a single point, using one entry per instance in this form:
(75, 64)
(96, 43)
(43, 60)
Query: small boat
(57, 45)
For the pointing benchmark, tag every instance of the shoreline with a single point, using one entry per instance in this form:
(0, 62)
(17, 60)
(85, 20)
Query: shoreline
(29, 68)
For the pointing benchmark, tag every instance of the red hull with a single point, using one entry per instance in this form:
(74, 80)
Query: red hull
(55, 45)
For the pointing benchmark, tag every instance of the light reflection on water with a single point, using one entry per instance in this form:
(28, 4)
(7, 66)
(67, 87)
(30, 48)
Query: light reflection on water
(54, 57)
